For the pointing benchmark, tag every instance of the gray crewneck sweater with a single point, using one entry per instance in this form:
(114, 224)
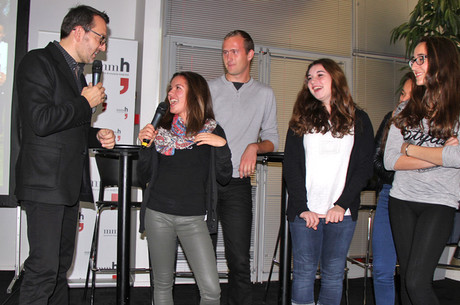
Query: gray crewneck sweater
(246, 114)
(435, 185)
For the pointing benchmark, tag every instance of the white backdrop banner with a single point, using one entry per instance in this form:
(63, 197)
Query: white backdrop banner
(119, 79)
(117, 113)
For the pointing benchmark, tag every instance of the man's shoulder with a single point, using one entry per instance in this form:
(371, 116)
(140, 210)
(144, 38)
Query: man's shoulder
(259, 92)
(43, 62)
(48, 50)
(216, 81)
(259, 85)
(47, 53)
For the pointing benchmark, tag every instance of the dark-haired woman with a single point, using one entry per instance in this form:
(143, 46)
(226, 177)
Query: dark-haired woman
(328, 161)
(188, 155)
(422, 148)
(383, 248)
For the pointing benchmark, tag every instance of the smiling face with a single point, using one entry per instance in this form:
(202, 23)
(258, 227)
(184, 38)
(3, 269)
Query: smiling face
(420, 71)
(319, 83)
(236, 61)
(90, 44)
(177, 97)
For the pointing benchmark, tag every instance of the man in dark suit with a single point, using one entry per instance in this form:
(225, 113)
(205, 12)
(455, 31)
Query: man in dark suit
(55, 108)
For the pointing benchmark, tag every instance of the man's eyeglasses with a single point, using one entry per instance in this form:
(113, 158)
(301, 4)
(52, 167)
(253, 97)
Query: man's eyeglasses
(419, 60)
(103, 39)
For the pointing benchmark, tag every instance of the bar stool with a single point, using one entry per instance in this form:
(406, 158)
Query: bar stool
(107, 165)
(363, 262)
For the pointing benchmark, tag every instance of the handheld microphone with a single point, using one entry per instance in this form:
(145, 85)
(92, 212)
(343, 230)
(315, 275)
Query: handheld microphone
(97, 71)
(159, 113)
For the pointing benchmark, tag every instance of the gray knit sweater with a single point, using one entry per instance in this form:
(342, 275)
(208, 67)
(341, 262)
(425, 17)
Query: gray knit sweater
(246, 115)
(435, 185)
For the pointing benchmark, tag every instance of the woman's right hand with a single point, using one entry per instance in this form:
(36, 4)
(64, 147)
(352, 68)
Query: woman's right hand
(311, 219)
(147, 133)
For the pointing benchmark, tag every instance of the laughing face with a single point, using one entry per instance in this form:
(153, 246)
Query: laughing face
(420, 70)
(177, 97)
(319, 83)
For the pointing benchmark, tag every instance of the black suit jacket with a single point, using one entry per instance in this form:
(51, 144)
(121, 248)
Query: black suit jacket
(53, 162)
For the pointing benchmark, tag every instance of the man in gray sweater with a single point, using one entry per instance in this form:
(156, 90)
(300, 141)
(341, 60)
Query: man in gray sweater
(246, 109)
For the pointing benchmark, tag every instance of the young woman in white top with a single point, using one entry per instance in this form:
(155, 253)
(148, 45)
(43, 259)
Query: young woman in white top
(328, 160)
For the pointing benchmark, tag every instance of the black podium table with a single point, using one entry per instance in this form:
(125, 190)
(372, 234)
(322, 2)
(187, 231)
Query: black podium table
(284, 296)
(125, 154)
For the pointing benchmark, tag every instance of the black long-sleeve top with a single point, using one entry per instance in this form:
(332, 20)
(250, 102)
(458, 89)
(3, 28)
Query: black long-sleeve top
(383, 176)
(185, 183)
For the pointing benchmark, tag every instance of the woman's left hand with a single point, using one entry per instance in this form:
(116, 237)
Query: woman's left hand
(452, 141)
(403, 147)
(209, 139)
(335, 214)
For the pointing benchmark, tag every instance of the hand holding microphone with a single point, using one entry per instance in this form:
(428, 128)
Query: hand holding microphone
(95, 94)
(159, 113)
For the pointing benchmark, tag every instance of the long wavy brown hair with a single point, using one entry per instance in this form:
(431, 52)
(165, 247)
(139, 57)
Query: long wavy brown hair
(311, 116)
(439, 102)
(199, 103)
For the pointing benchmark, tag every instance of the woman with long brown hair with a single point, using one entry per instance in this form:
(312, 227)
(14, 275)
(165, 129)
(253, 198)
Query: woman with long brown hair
(187, 157)
(383, 248)
(328, 160)
(422, 148)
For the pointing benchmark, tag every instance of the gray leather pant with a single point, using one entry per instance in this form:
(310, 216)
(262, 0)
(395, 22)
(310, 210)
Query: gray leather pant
(162, 231)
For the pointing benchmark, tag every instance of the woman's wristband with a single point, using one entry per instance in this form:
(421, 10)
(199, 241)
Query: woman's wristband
(407, 147)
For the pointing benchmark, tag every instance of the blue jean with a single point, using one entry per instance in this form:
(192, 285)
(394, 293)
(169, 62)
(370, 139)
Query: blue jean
(384, 253)
(328, 245)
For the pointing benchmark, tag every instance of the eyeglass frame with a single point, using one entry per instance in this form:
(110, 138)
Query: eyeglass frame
(421, 58)
(103, 38)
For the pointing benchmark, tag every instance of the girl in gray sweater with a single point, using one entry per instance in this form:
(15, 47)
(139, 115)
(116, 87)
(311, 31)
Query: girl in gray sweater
(422, 148)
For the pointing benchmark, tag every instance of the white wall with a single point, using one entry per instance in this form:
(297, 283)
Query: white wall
(151, 67)
(7, 238)
(46, 15)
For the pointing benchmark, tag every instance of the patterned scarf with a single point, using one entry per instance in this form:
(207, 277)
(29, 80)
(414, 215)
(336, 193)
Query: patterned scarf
(167, 141)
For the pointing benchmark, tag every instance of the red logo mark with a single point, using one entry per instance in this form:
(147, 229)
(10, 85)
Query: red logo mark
(124, 83)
